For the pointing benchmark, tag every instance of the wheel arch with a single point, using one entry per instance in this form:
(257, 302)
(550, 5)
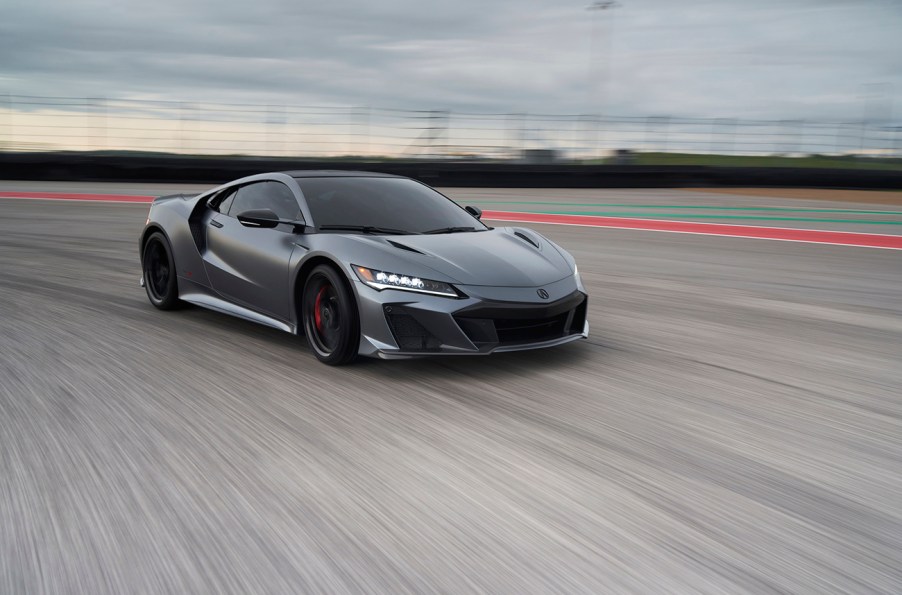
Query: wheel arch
(300, 280)
(172, 299)
(145, 235)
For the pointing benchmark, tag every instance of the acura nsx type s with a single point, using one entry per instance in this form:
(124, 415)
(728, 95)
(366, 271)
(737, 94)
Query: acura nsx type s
(362, 264)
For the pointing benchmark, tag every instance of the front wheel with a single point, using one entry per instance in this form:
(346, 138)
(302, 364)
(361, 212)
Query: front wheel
(159, 273)
(330, 317)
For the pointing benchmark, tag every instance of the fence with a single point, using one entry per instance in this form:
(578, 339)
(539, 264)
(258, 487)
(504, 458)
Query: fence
(32, 123)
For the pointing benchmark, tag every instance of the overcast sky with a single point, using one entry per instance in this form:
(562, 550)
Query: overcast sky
(810, 59)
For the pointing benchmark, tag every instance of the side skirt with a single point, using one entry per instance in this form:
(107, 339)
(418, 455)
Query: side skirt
(220, 305)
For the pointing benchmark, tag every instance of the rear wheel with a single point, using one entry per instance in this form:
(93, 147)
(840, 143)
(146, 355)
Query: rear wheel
(159, 273)
(330, 317)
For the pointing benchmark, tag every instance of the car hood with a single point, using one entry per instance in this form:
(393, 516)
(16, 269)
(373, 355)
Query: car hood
(508, 257)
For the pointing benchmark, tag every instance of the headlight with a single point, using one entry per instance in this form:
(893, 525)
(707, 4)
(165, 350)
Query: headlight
(385, 280)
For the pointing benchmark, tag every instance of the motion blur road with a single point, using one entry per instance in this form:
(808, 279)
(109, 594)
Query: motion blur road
(734, 424)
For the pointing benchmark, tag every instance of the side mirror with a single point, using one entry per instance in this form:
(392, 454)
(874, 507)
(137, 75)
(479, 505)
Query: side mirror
(475, 211)
(259, 218)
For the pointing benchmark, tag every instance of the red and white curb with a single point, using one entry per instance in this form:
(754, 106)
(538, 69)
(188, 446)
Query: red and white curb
(785, 234)
(76, 196)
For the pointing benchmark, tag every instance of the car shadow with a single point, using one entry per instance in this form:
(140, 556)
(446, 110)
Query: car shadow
(521, 363)
(479, 367)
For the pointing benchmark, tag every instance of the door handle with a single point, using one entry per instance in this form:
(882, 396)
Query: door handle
(215, 223)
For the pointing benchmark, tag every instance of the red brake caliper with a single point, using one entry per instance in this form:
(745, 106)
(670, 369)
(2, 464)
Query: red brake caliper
(317, 313)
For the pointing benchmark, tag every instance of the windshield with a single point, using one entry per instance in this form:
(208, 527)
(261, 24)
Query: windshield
(382, 205)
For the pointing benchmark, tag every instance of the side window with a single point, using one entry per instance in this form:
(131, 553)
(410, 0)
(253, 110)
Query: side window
(225, 203)
(275, 196)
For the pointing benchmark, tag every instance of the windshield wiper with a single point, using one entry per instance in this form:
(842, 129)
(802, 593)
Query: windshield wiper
(452, 229)
(365, 229)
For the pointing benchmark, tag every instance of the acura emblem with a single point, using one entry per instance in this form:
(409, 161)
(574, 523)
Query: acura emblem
(542, 294)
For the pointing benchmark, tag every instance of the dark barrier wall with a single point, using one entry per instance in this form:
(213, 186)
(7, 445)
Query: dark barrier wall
(80, 167)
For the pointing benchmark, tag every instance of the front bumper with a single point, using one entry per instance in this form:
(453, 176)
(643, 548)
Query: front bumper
(401, 324)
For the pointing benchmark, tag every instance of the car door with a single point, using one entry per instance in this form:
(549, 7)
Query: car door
(249, 265)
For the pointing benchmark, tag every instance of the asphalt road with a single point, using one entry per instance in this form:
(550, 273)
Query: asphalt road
(733, 425)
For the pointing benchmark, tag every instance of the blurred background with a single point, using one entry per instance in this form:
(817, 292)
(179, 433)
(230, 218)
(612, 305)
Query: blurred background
(808, 82)
(733, 424)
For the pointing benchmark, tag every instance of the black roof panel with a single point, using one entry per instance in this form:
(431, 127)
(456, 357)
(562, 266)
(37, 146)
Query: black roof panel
(336, 173)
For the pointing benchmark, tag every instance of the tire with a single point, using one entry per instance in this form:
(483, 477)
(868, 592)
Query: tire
(159, 273)
(330, 317)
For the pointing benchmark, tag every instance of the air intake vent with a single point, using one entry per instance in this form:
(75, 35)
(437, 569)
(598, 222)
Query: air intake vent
(195, 224)
(526, 238)
(403, 247)
(408, 332)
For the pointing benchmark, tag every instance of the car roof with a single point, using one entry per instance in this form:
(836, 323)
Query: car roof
(336, 173)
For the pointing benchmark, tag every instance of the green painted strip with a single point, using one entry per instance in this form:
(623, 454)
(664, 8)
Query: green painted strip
(647, 215)
(701, 207)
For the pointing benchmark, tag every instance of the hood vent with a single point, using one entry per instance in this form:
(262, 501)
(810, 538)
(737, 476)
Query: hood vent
(527, 239)
(403, 247)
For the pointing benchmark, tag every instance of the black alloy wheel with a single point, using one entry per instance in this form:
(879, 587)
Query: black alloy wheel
(159, 273)
(330, 317)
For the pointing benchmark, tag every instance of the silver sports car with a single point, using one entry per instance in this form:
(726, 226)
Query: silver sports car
(362, 264)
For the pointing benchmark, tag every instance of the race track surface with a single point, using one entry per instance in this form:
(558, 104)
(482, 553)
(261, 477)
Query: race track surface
(734, 424)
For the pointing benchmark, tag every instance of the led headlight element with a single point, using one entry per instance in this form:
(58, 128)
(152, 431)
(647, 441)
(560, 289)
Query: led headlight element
(384, 280)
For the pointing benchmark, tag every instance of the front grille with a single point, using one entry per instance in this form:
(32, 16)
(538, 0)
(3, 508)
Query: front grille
(515, 324)
(409, 334)
(513, 331)
(480, 331)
